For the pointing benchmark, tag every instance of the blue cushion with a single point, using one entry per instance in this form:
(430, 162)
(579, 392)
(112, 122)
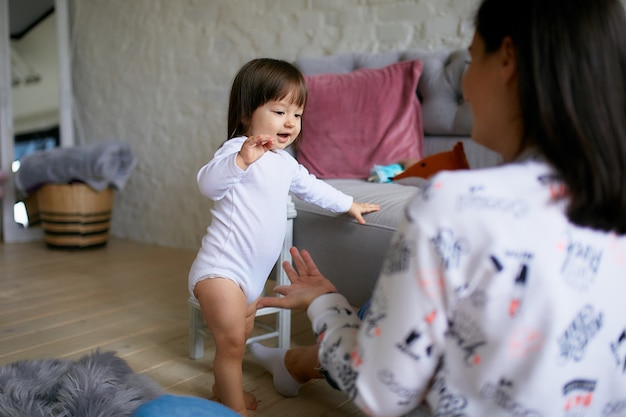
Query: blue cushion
(182, 406)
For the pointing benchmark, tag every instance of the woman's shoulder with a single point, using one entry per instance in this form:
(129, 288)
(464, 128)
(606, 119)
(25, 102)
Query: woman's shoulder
(507, 185)
(507, 178)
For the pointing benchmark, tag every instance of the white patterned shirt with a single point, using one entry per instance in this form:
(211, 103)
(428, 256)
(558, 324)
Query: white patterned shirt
(490, 303)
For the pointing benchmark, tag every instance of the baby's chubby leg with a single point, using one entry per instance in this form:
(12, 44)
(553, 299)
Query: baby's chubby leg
(226, 312)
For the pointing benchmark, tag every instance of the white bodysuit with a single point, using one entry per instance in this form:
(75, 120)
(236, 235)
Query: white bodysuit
(490, 303)
(247, 230)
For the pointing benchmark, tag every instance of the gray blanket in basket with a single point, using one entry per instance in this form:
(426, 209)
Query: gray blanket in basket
(97, 385)
(100, 165)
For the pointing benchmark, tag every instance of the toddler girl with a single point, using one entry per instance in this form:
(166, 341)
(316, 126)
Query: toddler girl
(249, 180)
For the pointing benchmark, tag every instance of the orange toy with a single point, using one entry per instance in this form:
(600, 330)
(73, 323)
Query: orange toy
(432, 164)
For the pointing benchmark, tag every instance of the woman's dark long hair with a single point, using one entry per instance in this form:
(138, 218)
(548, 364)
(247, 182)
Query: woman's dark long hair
(571, 58)
(257, 82)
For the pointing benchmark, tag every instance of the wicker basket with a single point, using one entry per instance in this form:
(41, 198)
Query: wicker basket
(74, 216)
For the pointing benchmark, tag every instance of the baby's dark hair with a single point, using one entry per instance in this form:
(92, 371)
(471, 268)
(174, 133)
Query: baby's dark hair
(257, 82)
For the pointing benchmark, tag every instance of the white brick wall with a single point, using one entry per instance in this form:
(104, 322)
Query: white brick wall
(156, 73)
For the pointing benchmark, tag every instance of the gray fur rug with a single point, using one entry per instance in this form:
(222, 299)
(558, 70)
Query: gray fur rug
(97, 385)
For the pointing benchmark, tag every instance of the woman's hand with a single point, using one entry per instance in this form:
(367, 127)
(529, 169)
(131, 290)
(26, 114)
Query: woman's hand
(358, 209)
(307, 283)
(253, 148)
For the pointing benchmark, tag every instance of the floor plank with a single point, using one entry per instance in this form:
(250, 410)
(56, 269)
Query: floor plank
(130, 298)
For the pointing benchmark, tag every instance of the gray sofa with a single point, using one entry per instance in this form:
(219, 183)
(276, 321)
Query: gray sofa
(350, 254)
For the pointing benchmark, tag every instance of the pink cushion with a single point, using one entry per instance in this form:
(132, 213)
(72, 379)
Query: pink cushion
(363, 118)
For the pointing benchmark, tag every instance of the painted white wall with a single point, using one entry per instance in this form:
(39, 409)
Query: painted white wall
(156, 74)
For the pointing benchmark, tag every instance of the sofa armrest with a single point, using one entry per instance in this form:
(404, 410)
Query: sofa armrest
(348, 253)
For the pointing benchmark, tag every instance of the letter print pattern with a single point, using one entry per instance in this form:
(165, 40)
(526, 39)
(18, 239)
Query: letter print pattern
(530, 323)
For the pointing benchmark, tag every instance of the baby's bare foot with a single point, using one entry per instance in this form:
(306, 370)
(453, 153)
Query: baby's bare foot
(249, 399)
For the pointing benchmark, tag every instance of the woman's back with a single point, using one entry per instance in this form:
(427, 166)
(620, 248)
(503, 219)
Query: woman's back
(535, 321)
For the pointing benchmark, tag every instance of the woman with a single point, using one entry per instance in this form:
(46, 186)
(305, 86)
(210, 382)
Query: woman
(502, 290)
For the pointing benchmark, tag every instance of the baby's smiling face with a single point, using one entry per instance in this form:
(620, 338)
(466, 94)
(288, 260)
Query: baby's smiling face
(279, 118)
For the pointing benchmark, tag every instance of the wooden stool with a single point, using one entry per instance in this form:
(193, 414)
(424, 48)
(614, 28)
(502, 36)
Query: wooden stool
(281, 330)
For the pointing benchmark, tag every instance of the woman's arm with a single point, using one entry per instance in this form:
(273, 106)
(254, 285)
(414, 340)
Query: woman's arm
(387, 361)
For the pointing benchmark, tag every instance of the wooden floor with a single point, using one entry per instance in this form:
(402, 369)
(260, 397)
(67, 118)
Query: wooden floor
(129, 298)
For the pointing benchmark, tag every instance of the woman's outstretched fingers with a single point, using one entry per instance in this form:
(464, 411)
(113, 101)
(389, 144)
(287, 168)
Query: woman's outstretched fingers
(296, 258)
(305, 263)
(307, 283)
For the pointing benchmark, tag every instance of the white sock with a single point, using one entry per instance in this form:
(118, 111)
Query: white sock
(273, 360)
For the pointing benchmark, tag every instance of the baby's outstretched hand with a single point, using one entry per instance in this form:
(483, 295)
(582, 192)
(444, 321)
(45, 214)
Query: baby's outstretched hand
(253, 148)
(358, 209)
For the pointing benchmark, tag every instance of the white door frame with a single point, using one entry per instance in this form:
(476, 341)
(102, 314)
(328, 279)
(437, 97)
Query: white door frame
(11, 232)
